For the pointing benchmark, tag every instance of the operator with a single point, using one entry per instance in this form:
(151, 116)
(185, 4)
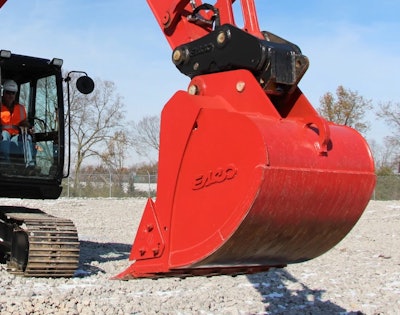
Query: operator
(13, 118)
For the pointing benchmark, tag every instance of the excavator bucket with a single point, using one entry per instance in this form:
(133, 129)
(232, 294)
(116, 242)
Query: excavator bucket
(248, 182)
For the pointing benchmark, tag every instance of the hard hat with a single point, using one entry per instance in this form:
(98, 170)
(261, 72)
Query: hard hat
(10, 85)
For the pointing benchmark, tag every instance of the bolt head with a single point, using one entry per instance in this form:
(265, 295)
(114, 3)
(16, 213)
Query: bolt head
(193, 89)
(221, 38)
(240, 86)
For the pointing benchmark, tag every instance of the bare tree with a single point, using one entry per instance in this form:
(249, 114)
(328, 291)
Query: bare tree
(95, 120)
(385, 155)
(146, 135)
(390, 113)
(347, 108)
(115, 154)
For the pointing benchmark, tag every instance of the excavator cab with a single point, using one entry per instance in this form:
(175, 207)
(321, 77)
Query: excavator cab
(33, 243)
(35, 165)
(39, 90)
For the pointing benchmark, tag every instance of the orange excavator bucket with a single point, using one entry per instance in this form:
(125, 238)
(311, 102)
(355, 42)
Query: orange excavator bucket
(250, 176)
(243, 188)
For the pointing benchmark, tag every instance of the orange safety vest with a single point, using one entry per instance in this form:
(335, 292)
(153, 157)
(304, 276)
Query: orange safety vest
(11, 121)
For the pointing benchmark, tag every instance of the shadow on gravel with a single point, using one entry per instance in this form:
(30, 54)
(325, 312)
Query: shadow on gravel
(278, 299)
(93, 253)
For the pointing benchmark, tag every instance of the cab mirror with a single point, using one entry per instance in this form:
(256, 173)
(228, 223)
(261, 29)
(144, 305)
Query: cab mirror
(85, 84)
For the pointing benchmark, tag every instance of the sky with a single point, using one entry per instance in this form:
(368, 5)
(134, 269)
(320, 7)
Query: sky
(351, 43)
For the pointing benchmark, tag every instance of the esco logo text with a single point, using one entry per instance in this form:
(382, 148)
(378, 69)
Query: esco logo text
(216, 176)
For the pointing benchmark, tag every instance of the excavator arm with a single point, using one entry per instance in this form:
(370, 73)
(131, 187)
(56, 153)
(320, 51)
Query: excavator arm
(183, 21)
(205, 39)
(250, 176)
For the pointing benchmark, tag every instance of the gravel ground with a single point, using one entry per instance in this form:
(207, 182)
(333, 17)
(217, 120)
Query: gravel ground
(361, 275)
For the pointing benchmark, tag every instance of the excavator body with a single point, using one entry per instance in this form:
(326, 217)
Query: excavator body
(250, 176)
(32, 165)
